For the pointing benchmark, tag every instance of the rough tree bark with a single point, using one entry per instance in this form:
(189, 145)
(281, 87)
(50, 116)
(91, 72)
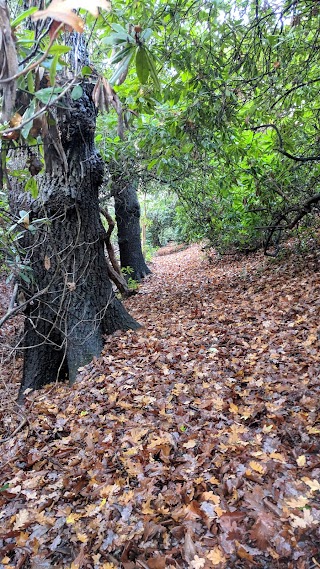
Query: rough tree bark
(74, 304)
(127, 210)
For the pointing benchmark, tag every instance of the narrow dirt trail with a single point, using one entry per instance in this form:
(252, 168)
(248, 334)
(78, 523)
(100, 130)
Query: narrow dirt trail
(190, 443)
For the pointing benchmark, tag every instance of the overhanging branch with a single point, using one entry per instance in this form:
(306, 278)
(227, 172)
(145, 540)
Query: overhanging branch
(281, 149)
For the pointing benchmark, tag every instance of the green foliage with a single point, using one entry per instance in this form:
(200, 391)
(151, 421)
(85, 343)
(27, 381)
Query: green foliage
(220, 104)
(132, 283)
(161, 218)
(149, 252)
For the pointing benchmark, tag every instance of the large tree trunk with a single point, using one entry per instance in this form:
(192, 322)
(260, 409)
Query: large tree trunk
(74, 304)
(127, 211)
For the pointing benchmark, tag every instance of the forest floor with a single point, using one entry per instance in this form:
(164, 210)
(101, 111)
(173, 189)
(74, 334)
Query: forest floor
(191, 443)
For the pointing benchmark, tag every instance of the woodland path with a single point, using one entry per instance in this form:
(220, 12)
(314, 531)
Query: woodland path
(192, 442)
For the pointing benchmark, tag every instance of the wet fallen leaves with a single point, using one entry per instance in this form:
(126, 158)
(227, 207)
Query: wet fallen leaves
(190, 443)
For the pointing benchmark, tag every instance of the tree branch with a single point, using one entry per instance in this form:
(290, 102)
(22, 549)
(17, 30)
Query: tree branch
(281, 149)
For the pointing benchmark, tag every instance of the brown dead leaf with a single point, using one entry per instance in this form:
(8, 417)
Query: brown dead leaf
(47, 263)
(197, 562)
(216, 556)
(189, 550)
(80, 559)
(157, 562)
(263, 530)
(21, 519)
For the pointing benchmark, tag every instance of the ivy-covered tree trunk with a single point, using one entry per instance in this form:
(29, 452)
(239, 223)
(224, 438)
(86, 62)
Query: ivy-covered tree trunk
(127, 210)
(74, 304)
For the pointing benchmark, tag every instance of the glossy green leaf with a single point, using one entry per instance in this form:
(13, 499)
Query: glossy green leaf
(153, 71)
(123, 66)
(118, 39)
(60, 49)
(86, 70)
(120, 55)
(118, 28)
(146, 34)
(142, 65)
(30, 82)
(23, 16)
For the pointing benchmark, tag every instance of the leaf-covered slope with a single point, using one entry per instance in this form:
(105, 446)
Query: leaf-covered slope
(193, 442)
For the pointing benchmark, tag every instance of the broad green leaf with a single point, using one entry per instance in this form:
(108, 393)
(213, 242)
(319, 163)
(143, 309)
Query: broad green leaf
(153, 71)
(76, 92)
(32, 187)
(60, 49)
(146, 34)
(119, 29)
(27, 115)
(120, 55)
(53, 69)
(23, 16)
(142, 65)
(121, 68)
(25, 278)
(86, 70)
(30, 82)
(117, 39)
(48, 95)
